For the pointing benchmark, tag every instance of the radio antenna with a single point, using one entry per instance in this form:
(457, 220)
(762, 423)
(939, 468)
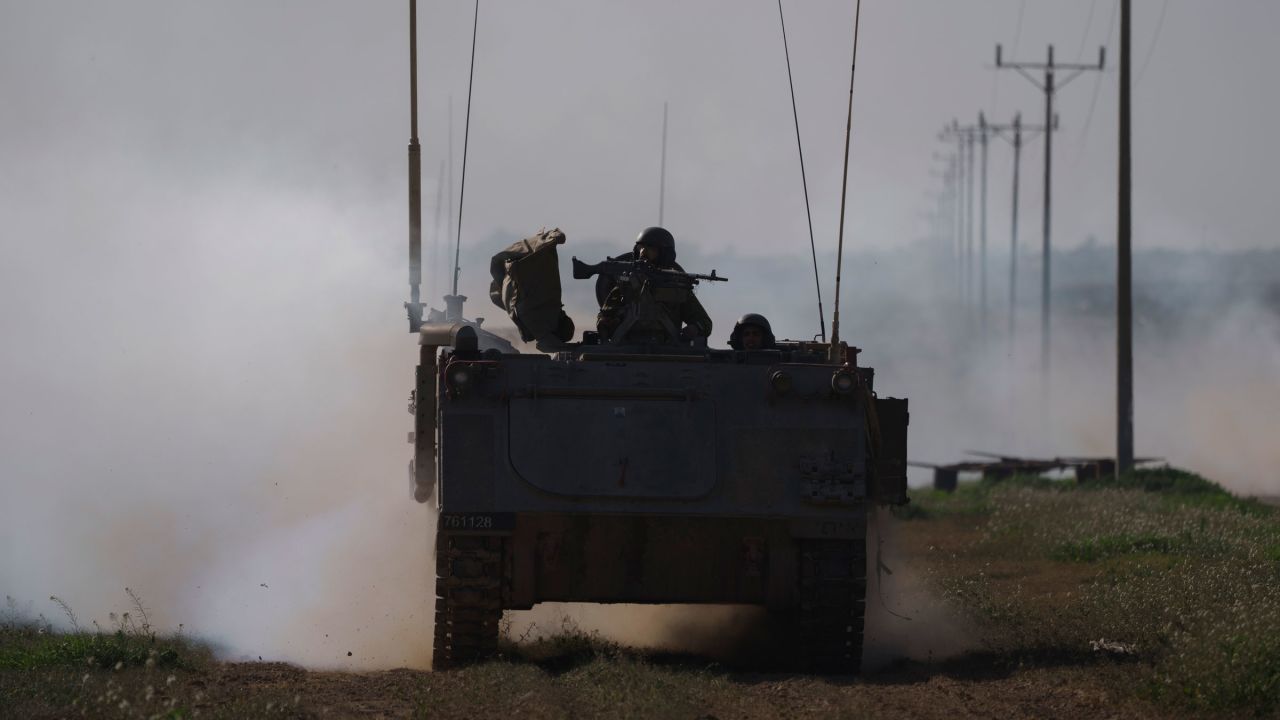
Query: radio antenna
(434, 276)
(844, 188)
(804, 182)
(662, 170)
(466, 136)
(415, 179)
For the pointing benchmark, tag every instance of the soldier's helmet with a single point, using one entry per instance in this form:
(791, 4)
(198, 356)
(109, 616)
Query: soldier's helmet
(754, 320)
(660, 238)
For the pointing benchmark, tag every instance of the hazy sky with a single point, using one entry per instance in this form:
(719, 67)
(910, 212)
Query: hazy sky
(568, 101)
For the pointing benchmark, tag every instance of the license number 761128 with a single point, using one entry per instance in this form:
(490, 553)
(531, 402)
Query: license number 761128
(477, 521)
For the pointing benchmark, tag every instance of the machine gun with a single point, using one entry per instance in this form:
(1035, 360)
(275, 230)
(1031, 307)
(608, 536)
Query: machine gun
(625, 270)
(648, 284)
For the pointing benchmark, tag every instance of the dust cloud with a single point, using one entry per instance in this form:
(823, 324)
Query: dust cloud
(1206, 359)
(210, 408)
(727, 633)
(905, 617)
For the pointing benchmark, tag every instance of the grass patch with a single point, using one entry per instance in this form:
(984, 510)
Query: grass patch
(967, 500)
(1163, 562)
(1163, 480)
(1098, 548)
(32, 649)
(27, 644)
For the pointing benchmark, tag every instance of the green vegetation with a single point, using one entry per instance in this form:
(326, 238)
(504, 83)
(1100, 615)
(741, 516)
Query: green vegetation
(89, 672)
(31, 648)
(1160, 566)
(27, 644)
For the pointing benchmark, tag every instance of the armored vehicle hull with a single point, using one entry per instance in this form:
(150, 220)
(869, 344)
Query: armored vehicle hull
(653, 475)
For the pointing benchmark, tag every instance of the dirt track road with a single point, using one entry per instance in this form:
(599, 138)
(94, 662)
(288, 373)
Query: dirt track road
(974, 687)
(624, 684)
(1094, 603)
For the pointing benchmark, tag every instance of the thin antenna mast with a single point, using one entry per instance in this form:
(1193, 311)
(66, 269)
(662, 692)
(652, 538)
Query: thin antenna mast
(415, 178)
(466, 136)
(844, 187)
(662, 171)
(435, 228)
(795, 114)
(449, 204)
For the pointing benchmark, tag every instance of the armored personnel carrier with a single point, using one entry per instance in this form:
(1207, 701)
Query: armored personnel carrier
(615, 473)
(638, 465)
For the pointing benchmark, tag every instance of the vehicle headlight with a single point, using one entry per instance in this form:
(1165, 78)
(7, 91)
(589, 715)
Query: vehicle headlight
(842, 382)
(459, 377)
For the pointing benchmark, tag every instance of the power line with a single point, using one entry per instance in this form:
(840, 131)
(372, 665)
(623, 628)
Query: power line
(1093, 101)
(1017, 33)
(1155, 39)
(804, 182)
(1017, 36)
(995, 90)
(1088, 24)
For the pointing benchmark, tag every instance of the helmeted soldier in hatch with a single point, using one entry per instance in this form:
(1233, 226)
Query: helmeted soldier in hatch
(752, 332)
(661, 314)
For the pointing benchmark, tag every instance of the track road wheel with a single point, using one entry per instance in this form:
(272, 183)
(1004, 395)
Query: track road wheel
(468, 599)
(833, 592)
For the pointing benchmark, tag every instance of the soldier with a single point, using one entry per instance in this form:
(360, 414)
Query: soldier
(752, 332)
(662, 314)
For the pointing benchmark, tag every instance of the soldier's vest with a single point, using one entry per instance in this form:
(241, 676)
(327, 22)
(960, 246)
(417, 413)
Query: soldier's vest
(647, 315)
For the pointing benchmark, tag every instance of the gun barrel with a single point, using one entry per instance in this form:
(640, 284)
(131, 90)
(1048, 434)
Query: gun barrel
(621, 268)
(713, 277)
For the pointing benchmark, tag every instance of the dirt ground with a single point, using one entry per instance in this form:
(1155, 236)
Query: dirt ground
(976, 687)
(970, 683)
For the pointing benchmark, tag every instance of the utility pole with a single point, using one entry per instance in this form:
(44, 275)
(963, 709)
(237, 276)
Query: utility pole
(1013, 133)
(964, 220)
(951, 213)
(1049, 86)
(967, 136)
(968, 227)
(982, 267)
(955, 198)
(957, 206)
(948, 133)
(1124, 264)
(1013, 229)
(963, 202)
(946, 223)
